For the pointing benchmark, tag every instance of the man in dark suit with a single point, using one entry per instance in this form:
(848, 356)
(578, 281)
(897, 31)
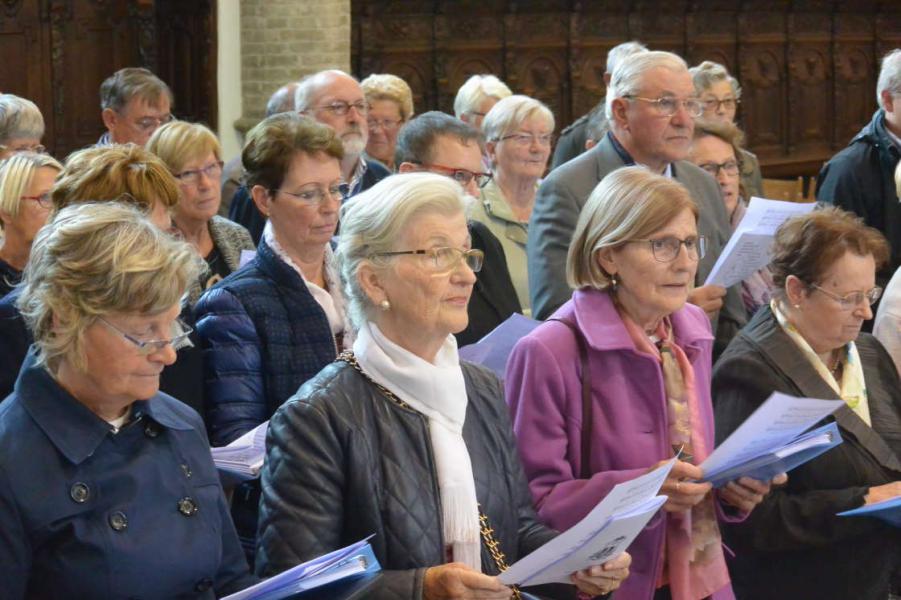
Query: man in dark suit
(651, 106)
(436, 142)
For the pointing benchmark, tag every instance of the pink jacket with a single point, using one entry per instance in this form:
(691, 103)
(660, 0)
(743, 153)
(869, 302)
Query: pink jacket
(543, 389)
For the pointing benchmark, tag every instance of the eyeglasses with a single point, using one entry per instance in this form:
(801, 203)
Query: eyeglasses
(37, 149)
(43, 200)
(666, 249)
(714, 104)
(730, 167)
(385, 124)
(461, 176)
(527, 139)
(151, 123)
(852, 300)
(315, 196)
(192, 177)
(445, 258)
(341, 108)
(180, 332)
(667, 106)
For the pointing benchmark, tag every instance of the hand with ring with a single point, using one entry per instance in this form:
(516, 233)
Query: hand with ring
(681, 492)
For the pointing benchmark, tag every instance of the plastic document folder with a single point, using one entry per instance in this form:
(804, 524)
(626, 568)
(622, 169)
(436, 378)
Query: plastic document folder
(243, 458)
(887, 510)
(347, 564)
(494, 349)
(602, 535)
(773, 440)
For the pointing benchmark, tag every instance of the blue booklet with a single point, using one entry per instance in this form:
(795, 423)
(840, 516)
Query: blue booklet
(494, 349)
(352, 561)
(887, 510)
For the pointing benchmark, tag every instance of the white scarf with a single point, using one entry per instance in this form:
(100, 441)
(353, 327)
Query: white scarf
(331, 300)
(439, 392)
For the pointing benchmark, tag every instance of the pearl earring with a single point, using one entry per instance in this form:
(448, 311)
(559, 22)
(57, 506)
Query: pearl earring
(385, 305)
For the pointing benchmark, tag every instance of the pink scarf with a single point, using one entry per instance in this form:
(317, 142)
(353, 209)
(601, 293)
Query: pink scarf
(694, 565)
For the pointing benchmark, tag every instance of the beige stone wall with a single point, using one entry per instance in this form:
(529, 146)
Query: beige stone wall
(283, 40)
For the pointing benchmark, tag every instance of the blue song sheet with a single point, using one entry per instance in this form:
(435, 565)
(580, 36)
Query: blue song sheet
(887, 510)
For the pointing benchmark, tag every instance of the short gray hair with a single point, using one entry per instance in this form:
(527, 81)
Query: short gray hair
(375, 219)
(19, 118)
(478, 87)
(889, 76)
(708, 73)
(620, 52)
(509, 114)
(123, 85)
(627, 77)
(310, 86)
(282, 100)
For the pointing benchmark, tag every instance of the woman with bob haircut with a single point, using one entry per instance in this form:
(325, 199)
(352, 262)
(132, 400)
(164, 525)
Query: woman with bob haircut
(399, 438)
(617, 382)
(25, 182)
(390, 107)
(21, 126)
(519, 132)
(194, 156)
(808, 342)
(105, 479)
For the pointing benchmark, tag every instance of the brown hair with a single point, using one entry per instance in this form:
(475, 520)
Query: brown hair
(728, 133)
(119, 172)
(272, 144)
(807, 245)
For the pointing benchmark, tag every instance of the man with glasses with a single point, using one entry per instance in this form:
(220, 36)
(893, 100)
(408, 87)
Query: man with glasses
(336, 99)
(651, 107)
(439, 143)
(134, 103)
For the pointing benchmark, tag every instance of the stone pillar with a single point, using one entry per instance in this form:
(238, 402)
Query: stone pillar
(283, 40)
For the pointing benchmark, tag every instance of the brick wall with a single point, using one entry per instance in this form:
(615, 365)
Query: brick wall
(283, 40)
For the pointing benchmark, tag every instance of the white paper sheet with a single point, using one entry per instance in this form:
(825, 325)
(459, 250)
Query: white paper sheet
(749, 248)
(603, 534)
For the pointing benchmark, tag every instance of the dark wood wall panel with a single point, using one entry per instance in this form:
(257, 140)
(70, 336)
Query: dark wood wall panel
(808, 68)
(57, 52)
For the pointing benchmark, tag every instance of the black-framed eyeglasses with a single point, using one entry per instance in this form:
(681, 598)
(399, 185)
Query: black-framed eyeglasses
(341, 108)
(852, 300)
(667, 106)
(445, 258)
(314, 196)
(730, 167)
(461, 176)
(44, 200)
(192, 177)
(179, 338)
(666, 249)
(714, 104)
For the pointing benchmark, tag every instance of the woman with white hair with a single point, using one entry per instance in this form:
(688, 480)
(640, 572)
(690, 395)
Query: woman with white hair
(617, 381)
(720, 96)
(518, 132)
(399, 438)
(21, 126)
(390, 106)
(477, 96)
(25, 182)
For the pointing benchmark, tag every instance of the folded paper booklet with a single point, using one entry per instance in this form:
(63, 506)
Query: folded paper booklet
(494, 349)
(602, 535)
(243, 458)
(887, 510)
(352, 561)
(773, 440)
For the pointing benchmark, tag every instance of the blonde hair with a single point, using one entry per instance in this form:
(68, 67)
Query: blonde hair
(509, 114)
(16, 173)
(476, 89)
(179, 142)
(384, 86)
(630, 203)
(121, 172)
(375, 219)
(93, 260)
(19, 118)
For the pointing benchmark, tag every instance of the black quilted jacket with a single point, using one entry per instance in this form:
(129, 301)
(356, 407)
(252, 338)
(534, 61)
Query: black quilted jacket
(344, 462)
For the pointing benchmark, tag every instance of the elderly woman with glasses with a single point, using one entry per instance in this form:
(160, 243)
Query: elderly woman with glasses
(25, 182)
(192, 153)
(109, 490)
(808, 343)
(618, 381)
(399, 438)
(720, 95)
(519, 131)
(21, 126)
(390, 106)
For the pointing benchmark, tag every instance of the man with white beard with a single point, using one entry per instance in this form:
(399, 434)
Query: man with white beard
(336, 99)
